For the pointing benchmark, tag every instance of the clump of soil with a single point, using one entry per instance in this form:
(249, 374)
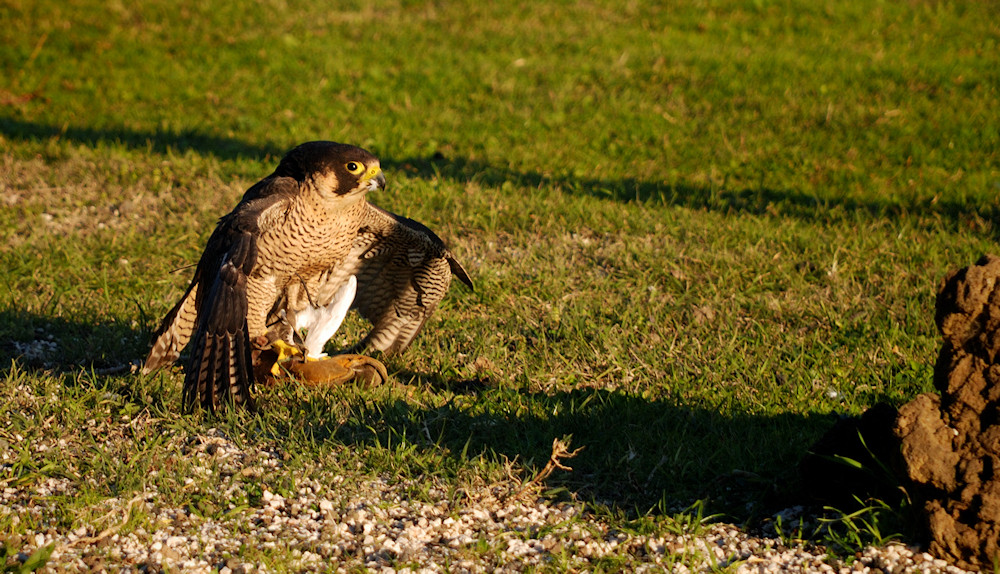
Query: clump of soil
(950, 441)
(943, 448)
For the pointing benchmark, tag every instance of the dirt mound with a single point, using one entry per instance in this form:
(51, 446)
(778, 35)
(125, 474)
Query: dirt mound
(950, 442)
(943, 448)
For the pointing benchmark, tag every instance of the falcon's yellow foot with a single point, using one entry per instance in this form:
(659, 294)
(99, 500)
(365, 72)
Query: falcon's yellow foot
(340, 369)
(285, 351)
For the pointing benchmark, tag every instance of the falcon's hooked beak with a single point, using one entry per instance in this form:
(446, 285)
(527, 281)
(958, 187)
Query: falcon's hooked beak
(375, 178)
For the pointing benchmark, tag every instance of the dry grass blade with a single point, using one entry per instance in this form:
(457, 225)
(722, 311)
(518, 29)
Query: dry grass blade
(560, 450)
(111, 529)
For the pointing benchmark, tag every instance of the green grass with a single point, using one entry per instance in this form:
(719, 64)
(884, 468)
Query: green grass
(696, 230)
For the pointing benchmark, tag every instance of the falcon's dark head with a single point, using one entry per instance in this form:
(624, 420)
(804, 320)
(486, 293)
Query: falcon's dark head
(333, 169)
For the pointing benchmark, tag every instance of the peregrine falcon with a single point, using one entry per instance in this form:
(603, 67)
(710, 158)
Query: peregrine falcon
(282, 270)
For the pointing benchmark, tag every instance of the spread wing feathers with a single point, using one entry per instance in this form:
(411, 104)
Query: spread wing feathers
(403, 271)
(220, 368)
(174, 332)
(178, 325)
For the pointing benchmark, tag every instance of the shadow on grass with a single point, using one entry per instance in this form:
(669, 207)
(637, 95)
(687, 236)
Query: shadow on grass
(637, 454)
(58, 344)
(760, 200)
(154, 141)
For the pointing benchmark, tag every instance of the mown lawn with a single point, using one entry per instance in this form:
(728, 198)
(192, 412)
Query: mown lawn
(697, 230)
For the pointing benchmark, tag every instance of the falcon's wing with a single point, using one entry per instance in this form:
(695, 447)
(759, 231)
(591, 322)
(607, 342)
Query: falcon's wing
(174, 332)
(220, 366)
(213, 312)
(178, 325)
(403, 271)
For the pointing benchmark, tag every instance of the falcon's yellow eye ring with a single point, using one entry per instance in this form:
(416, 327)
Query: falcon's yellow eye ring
(355, 167)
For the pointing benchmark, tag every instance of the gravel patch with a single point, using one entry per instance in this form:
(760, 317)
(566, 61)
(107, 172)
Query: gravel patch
(341, 525)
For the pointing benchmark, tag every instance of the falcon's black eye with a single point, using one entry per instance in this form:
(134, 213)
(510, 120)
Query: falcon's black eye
(354, 167)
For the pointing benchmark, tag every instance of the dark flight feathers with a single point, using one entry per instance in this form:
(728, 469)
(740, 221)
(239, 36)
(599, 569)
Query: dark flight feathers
(220, 367)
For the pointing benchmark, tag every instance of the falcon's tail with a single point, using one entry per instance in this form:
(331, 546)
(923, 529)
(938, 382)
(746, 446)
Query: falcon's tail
(400, 304)
(394, 336)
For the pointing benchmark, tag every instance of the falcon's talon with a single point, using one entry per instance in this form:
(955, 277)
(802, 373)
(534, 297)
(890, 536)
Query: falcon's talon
(285, 351)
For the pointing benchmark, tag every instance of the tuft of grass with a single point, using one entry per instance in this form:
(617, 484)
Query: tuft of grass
(846, 533)
(874, 524)
(31, 563)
